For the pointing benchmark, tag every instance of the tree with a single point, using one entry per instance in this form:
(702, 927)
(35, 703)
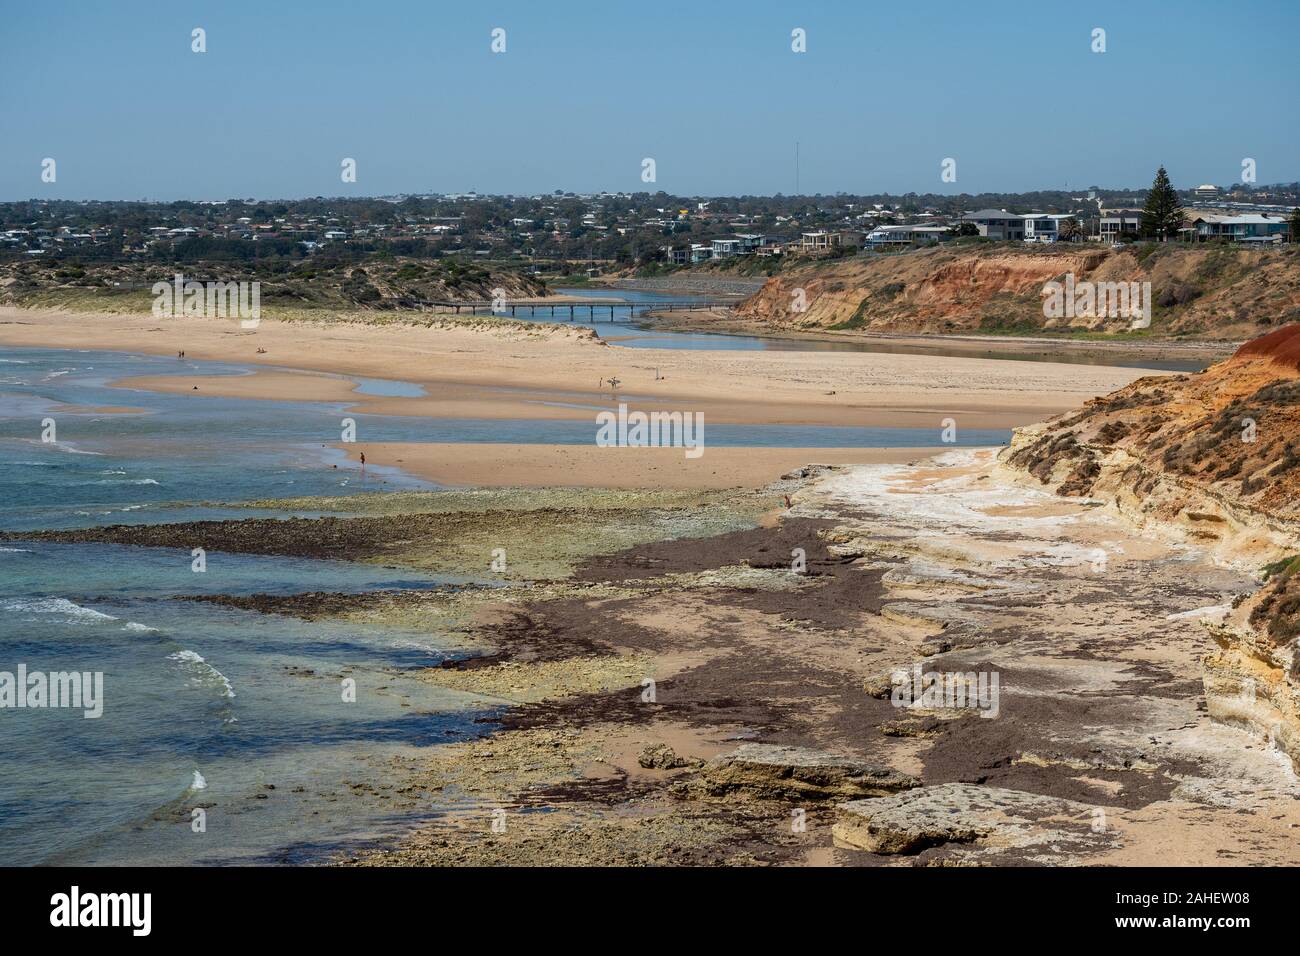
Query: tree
(1162, 216)
(1294, 224)
(1070, 230)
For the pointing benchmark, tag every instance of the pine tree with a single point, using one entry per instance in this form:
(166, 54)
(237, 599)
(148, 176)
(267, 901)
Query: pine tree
(1162, 216)
(1295, 224)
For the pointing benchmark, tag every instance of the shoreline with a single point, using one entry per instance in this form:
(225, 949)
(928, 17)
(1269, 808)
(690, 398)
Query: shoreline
(526, 371)
(482, 465)
(707, 772)
(771, 685)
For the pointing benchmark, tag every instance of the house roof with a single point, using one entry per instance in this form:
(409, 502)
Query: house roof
(991, 214)
(1246, 219)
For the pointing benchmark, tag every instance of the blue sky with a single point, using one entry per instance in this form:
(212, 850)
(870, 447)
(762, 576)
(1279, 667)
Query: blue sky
(585, 90)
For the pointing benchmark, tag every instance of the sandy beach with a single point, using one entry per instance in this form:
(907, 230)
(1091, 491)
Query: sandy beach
(502, 369)
(586, 466)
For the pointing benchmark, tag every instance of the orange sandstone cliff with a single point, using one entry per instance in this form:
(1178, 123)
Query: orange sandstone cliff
(1210, 291)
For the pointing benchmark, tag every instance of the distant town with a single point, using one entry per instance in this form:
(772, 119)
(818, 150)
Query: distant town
(596, 231)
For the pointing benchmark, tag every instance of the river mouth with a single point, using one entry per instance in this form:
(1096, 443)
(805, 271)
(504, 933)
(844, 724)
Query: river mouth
(630, 327)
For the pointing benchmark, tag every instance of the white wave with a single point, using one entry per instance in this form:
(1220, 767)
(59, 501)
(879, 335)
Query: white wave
(137, 626)
(200, 782)
(15, 551)
(70, 449)
(77, 613)
(201, 666)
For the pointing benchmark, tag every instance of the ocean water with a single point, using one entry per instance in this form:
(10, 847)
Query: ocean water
(203, 706)
(208, 707)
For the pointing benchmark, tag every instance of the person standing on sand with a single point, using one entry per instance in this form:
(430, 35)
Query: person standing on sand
(363, 459)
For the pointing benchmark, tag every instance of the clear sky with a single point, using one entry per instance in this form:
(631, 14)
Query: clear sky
(709, 89)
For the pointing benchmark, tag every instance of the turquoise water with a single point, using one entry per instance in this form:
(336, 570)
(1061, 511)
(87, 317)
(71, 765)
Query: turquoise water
(184, 453)
(205, 706)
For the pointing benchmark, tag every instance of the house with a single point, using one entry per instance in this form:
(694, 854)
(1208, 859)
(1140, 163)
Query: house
(725, 248)
(750, 241)
(997, 224)
(700, 252)
(676, 257)
(883, 236)
(1248, 227)
(822, 240)
(1118, 223)
(1206, 191)
(1044, 227)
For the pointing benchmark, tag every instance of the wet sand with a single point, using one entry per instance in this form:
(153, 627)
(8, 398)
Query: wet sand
(587, 466)
(502, 369)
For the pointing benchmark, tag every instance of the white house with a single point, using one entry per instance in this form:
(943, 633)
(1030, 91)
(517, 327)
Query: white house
(1044, 227)
(907, 234)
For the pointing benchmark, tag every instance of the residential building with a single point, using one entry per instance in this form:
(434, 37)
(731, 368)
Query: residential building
(1045, 227)
(908, 234)
(1118, 223)
(997, 224)
(1249, 227)
(822, 239)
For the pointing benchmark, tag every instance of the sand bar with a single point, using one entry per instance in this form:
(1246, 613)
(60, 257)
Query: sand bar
(521, 370)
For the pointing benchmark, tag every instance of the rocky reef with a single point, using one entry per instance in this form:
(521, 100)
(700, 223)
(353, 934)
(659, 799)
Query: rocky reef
(1210, 460)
